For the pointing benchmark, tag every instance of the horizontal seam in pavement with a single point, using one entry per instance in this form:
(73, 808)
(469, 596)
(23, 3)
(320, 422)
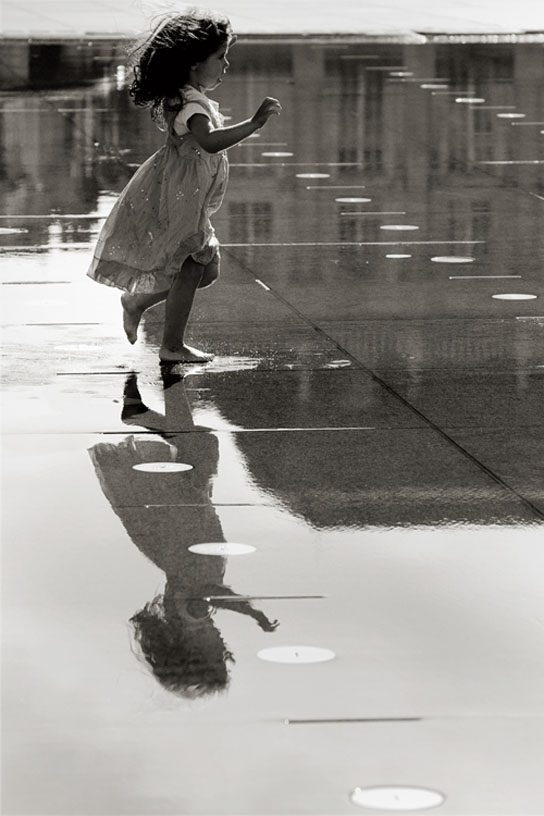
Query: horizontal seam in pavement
(347, 720)
(380, 429)
(289, 320)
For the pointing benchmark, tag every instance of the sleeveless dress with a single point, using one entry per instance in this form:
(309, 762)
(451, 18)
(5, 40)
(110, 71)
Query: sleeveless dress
(162, 217)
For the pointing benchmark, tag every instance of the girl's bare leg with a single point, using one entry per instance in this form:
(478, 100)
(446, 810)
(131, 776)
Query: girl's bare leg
(178, 308)
(133, 308)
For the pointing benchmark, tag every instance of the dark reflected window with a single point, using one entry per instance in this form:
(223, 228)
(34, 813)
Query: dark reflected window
(347, 230)
(464, 62)
(250, 221)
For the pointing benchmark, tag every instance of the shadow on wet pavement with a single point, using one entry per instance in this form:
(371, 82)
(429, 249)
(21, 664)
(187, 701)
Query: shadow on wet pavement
(370, 430)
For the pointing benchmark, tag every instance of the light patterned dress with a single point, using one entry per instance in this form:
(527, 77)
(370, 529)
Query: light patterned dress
(162, 216)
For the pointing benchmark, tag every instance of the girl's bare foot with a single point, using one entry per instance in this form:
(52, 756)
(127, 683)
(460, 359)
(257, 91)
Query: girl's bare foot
(132, 313)
(185, 354)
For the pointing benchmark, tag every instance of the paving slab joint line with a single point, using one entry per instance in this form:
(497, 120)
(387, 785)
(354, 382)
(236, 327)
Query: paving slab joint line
(134, 430)
(362, 367)
(424, 718)
(358, 720)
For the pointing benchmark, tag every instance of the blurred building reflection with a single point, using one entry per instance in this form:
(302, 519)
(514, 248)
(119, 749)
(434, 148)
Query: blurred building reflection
(70, 138)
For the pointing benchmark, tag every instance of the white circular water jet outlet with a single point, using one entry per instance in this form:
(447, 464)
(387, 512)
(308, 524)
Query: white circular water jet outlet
(397, 798)
(296, 654)
(162, 467)
(399, 227)
(353, 200)
(452, 259)
(221, 548)
(514, 296)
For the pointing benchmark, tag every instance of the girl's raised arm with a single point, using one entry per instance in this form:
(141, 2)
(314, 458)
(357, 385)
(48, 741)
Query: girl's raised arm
(213, 141)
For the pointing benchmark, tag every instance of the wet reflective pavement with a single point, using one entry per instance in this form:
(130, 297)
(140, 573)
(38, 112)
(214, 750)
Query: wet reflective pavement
(370, 429)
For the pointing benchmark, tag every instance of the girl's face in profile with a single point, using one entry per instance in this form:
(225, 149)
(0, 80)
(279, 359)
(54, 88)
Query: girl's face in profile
(209, 73)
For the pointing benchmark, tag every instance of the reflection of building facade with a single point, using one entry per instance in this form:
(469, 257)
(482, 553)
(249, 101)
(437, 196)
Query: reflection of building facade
(408, 147)
(343, 110)
(347, 111)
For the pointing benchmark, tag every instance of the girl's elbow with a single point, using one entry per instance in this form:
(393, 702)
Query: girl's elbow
(209, 145)
(205, 144)
(215, 146)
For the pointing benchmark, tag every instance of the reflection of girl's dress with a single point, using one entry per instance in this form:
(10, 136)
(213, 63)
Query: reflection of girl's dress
(163, 215)
(164, 513)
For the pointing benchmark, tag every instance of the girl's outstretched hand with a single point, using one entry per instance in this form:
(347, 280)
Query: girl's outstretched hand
(265, 623)
(267, 108)
(268, 625)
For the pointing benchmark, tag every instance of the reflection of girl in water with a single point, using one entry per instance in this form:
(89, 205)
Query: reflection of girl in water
(164, 514)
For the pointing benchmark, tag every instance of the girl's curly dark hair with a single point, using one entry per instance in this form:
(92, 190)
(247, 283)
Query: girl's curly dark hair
(162, 60)
(175, 655)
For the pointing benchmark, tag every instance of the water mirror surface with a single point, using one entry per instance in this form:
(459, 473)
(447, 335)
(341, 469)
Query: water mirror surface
(370, 431)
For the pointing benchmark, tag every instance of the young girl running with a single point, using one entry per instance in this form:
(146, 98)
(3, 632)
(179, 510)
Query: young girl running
(158, 243)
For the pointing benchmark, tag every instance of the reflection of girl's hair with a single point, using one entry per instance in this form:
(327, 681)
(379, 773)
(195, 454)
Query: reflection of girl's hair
(178, 658)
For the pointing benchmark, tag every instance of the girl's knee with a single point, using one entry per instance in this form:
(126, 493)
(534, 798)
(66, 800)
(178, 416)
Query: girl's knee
(211, 273)
(209, 277)
(192, 269)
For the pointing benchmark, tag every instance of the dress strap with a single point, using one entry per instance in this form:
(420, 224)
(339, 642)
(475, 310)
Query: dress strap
(171, 136)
